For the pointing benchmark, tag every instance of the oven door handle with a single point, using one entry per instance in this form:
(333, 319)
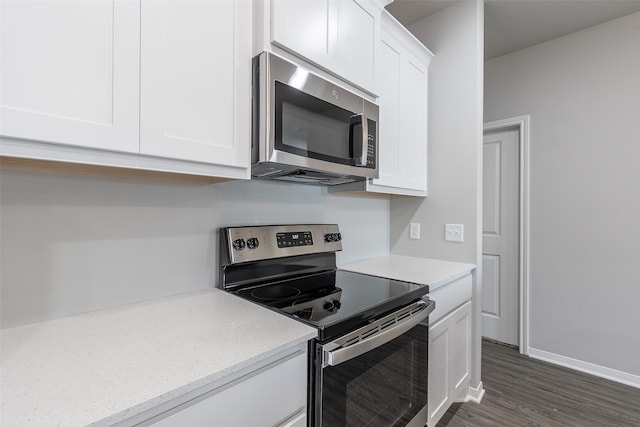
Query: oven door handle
(333, 355)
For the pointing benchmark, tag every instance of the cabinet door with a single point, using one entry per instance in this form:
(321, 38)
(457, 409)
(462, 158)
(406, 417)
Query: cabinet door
(389, 102)
(275, 395)
(299, 420)
(357, 26)
(460, 351)
(439, 397)
(402, 72)
(338, 35)
(449, 361)
(70, 72)
(303, 27)
(196, 80)
(413, 118)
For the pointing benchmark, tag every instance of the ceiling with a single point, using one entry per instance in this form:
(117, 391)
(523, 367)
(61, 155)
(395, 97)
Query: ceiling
(510, 25)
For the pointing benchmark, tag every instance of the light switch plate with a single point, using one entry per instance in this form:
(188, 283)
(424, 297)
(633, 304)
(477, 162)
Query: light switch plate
(454, 232)
(414, 230)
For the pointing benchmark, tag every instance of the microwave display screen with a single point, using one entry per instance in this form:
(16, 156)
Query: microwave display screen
(311, 127)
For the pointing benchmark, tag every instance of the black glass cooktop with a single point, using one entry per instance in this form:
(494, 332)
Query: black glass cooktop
(334, 301)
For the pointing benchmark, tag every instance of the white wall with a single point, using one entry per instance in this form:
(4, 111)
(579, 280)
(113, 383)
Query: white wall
(583, 94)
(455, 36)
(72, 244)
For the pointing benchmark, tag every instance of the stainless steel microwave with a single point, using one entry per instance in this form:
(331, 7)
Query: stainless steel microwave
(308, 129)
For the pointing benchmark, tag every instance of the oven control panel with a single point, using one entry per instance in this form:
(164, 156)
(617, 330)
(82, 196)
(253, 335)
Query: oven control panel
(255, 243)
(294, 238)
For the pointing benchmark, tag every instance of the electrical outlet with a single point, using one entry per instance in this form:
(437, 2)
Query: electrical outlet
(454, 232)
(414, 230)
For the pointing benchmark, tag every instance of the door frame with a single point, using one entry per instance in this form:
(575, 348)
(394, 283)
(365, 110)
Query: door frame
(522, 124)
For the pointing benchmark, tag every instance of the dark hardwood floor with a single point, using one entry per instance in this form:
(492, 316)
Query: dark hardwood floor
(520, 391)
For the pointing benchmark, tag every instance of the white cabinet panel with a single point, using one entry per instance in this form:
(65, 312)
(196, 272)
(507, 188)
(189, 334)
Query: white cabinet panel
(70, 72)
(461, 354)
(402, 74)
(439, 389)
(413, 129)
(357, 34)
(196, 81)
(389, 146)
(339, 36)
(449, 352)
(451, 295)
(274, 395)
(156, 85)
(299, 420)
(303, 26)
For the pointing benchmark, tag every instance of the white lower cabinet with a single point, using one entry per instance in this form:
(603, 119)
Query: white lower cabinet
(449, 349)
(275, 395)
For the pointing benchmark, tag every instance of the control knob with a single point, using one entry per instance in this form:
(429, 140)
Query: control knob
(331, 305)
(238, 244)
(253, 243)
(332, 237)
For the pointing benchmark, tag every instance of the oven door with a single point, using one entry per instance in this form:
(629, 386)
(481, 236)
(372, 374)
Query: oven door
(376, 376)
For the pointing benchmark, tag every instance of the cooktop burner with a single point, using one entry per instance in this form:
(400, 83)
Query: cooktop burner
(275, 292)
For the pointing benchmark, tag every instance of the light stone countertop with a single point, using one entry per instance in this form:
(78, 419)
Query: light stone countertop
(106, 366)
(425, 271)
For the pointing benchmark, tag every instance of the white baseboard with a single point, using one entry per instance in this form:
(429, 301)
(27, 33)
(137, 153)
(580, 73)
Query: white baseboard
(589, 368)
(475, 394)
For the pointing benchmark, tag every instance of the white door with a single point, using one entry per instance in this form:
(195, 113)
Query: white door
(70, 72)
(500, 320)
(196, 81)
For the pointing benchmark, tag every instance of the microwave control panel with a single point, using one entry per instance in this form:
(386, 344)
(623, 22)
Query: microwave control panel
(371, 144)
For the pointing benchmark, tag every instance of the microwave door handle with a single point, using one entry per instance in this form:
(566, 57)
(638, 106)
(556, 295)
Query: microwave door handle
(359, 119)
(336, 357)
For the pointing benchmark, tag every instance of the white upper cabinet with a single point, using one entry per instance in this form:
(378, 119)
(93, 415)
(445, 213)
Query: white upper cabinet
(402, 75)
(339, 36)
(358, 31)
(70, 72)
(196, 81)
(303, 27)
(404, 66)
(154, 84)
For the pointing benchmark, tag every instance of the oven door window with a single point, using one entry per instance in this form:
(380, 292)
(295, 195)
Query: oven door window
(310, 127)
(386, 386)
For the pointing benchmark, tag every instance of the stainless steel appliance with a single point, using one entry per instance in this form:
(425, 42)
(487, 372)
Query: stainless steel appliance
(307, 129)
(368, 364)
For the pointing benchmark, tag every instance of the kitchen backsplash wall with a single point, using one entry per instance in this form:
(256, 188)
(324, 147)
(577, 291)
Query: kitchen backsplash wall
(72, 244)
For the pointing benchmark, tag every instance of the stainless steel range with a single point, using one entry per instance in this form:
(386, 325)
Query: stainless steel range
(368, 365)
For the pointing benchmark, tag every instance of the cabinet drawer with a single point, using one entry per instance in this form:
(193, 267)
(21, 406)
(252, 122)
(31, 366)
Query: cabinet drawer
(270, 396)
(450, 296)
